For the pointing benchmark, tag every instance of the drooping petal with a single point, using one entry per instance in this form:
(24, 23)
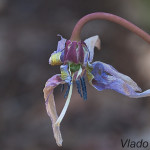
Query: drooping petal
(50, 105)
(92, 42)
(111, 70)
(105, 76)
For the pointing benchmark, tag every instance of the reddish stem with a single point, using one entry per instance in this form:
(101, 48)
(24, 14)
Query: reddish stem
(110, 17)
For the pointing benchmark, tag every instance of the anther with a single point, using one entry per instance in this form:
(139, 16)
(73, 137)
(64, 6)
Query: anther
(83, 88)
(78, 87)
(67, 91)
(62, 87)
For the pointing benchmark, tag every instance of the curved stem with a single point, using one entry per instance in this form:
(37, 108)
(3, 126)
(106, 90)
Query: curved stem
(110, 17)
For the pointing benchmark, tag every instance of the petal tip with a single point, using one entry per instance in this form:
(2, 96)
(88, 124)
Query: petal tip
(57, 135)
(98, 43)
(59, 143)
(92, 42)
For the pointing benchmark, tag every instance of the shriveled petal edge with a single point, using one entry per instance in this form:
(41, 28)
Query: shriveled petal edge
(51, 107)
(111, 70)
(61, 43)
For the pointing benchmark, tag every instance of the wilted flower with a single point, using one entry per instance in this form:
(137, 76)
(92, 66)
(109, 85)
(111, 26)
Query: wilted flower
(75, 58)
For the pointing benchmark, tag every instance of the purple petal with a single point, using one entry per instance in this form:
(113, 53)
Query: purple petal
(57, 57)
(50, 105)
(70, 53)
(111, 70)
(92, 42)
(61, 44)
(80, 52)
(107, 77)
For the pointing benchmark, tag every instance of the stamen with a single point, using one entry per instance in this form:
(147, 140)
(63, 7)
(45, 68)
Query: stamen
(67, 91)
(78, 87)
(83, 88)
(78, 82)
(65, 107)
(62, 87)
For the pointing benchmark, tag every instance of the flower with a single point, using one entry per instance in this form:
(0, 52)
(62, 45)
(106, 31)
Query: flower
(75, 58)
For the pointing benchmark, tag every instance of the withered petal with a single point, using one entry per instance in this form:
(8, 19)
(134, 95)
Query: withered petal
(50, 105)
(92, 42)
(61, 44)
(107, 77)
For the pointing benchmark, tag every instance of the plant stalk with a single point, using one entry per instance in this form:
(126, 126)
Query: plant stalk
(110, 17)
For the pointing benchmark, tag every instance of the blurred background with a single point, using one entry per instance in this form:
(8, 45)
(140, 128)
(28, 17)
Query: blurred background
(28, 36)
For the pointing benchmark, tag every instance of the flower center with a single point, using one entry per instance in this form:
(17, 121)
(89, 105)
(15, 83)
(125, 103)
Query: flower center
(74, 67)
